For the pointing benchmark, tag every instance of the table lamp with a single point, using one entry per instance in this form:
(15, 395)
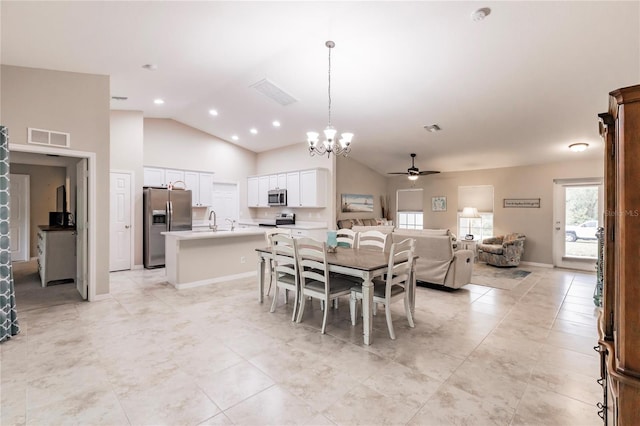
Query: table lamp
(469, 213)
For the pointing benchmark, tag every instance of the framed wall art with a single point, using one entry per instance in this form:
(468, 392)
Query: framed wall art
(439, 204)
(521, 203)
(356, 203)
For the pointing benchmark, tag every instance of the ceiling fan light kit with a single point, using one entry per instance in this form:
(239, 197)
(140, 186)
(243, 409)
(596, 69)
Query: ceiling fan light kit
(329, 144)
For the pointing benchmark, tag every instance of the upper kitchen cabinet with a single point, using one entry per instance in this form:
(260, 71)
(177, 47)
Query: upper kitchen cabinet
(173, 176)
(293, 189)
(192, 182)
(154, 177)
(313, 188)
(278, 181)
(253, 198)
(201, 186)
(263, 191)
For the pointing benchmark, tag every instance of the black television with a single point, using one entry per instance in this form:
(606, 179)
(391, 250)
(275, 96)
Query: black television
(61, 199)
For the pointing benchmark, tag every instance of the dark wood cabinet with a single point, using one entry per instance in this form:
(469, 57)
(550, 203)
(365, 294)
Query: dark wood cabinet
(619, 324)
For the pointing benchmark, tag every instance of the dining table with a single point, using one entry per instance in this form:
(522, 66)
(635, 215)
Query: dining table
(365, 264)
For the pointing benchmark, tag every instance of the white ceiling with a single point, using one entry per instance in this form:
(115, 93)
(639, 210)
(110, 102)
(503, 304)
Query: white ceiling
(514, 89)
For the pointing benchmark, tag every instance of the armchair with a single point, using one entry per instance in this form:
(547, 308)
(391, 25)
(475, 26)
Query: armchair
(504, 250)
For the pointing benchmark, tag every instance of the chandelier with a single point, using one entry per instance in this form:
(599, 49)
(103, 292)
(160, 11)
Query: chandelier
(329, 144)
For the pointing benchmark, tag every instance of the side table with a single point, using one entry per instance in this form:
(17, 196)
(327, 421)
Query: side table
(469, 245)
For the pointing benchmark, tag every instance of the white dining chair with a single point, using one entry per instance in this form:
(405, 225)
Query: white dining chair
(267, 235)
(347, 238)
(315, 280)
(372, 240)
(285, 270)
(396, 285)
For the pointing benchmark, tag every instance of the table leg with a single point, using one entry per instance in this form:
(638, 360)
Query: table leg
(367, 309)
(260, 278)
(412, 290)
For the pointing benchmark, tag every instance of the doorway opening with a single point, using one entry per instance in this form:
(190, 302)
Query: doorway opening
(577, 211)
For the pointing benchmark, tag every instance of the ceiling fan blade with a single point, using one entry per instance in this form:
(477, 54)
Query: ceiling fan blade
(398, 173)
(427, 172)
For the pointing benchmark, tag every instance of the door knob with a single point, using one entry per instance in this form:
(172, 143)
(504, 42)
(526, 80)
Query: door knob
(126, 226)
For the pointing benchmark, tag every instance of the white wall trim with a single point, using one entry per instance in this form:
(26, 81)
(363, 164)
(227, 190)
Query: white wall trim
(137, 267)
(201, 283)
(91, 158)
(539, 265)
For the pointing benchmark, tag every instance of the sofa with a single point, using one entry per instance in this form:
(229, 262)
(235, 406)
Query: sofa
(438, 262)
(505, 250)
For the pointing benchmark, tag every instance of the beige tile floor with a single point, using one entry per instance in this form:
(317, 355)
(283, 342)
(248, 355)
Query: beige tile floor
(212, 355)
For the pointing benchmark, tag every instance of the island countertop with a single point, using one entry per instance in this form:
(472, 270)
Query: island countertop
(207, 233)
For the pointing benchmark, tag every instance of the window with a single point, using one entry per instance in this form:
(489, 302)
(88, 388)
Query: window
(410, 220)
(409, 202)
(481, 198)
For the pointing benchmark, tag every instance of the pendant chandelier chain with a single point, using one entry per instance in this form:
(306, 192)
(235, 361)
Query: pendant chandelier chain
(329, 90)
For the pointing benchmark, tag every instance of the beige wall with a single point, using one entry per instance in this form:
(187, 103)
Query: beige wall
(170, 144)
(43, 182)
(126, 151)
(356, 178)
(511, 182)
(291, 158)
(68, 102)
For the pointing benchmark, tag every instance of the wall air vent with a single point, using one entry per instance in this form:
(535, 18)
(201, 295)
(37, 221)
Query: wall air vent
(48, 137)
(273, 92)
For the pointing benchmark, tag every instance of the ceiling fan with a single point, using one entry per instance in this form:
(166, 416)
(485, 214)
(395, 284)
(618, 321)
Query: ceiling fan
(413, 172)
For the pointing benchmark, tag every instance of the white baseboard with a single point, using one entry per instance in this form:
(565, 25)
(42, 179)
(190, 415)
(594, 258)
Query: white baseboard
(539, 265)
(215, 280)
(99, 297)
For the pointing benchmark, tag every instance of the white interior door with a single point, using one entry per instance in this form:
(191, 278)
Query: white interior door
(120, 227)
(19, 222)
(82, 185)
(225, 202)
(577, 210)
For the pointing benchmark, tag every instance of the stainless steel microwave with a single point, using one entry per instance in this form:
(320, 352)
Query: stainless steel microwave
(278, 197)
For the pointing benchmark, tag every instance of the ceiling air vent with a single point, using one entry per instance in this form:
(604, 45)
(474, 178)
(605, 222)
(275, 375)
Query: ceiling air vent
(273, 92)
(48, 137)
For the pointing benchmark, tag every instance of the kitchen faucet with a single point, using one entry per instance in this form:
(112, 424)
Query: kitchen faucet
(213, 227)
(232, 222)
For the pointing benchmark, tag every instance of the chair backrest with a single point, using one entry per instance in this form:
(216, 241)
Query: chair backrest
(400, 263)
(372, 239)
(347, 238)
(274, 231)
(285, 255)
(312, 261)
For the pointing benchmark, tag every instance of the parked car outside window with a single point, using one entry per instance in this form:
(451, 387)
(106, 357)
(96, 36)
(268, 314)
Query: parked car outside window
(584, 231)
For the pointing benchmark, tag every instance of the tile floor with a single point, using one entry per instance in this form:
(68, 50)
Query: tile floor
(152, 355)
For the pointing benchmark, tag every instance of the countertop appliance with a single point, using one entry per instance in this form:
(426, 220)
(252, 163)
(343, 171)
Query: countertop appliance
(277, 197)
(163, 210)
(286, 219)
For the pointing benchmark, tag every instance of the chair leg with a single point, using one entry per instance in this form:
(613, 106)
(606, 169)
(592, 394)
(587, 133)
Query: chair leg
(286, 296)
(301, 308)
(387, 311)
(335, 303)
(322, 305)
(324, 318)
(353, 307)
(296, 294)
(275, 299)
(270, 268)
(407, 309)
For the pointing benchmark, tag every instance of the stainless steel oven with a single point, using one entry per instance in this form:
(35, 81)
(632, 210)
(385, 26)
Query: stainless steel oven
(278, 197)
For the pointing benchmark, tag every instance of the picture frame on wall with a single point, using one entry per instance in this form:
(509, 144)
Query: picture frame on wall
(439, 204)
(357, 203)
(521, 203)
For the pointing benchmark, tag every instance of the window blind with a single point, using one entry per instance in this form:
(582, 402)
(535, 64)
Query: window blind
(410, 200)
(480, 197)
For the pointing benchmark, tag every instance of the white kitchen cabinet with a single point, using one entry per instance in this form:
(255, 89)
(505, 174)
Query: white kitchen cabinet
(56, 254)
(273, 182)
(278, 181)
(205, 189)
(293, 189)
(172, 176)
(154, 176)
(192, 181)
(253, 191)
(263, 191)
(313, 188)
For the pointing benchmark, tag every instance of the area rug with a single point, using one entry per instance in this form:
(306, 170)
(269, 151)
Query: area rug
(492, 276)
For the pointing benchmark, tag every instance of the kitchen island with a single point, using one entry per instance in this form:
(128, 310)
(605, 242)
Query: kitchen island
(196, 258)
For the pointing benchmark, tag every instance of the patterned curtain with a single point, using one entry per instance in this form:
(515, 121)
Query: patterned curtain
(8, 315)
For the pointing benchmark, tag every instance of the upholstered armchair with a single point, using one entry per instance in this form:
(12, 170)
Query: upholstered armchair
(503, 250)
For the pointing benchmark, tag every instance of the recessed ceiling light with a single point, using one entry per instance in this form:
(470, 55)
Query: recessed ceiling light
(276, 123)
(150, 67)
(254, 131)
(432, 128)
(578, 147)
(158, 101)
(234, 137)
(480, 14)
(213, 112)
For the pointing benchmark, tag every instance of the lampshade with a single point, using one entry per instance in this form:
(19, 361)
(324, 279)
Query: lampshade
(470, 213)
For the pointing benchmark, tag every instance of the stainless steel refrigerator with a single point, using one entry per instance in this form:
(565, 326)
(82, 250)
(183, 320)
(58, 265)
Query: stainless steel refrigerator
(164, 210)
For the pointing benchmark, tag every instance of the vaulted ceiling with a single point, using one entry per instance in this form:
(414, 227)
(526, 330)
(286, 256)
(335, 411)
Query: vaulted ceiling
(515, 88)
